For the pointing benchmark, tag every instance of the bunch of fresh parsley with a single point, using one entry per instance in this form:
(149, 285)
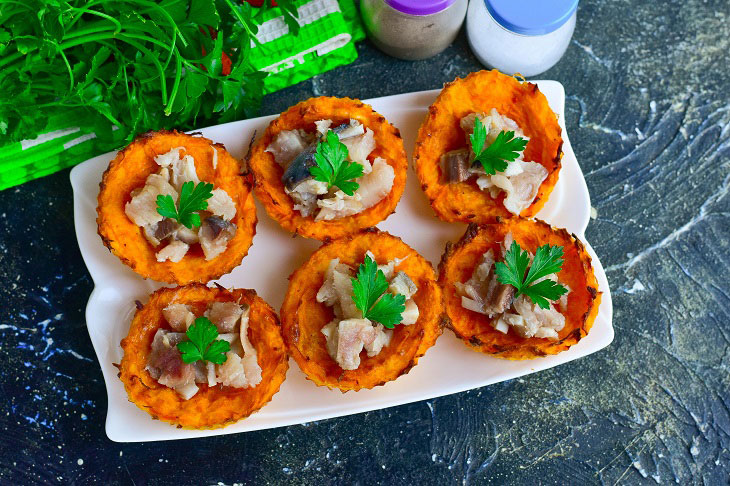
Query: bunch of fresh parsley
(137, 65)
(369, 293)
(192, 199)
(332, 165)
(513, 271)
(496, 156)
(203, 343)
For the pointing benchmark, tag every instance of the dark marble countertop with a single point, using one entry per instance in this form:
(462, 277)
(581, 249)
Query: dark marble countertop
(648, 113)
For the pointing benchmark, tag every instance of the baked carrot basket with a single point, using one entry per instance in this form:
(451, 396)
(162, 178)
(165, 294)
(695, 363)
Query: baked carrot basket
(484, 312)
(458, 187)
(203, 395)
(162, 248)
(283, 158)
(338, 351)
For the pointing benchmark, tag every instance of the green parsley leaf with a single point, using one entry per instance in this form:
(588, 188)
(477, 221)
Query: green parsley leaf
(513, 271)
(203, 344)
(332, 166)
(192, 198)
(370, 296)
(494, 158)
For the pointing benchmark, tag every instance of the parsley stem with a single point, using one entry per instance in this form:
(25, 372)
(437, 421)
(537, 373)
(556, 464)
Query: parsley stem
(87, 10)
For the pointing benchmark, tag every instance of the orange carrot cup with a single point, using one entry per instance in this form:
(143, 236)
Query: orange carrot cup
(268, 173)
(440, 133)
(210, 407)
(475, 329)
(129, 171)
(303, 317)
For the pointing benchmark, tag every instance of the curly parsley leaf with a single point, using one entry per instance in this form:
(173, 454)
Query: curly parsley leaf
(203, 344)
(513, 271)
(333, 167)
(494, 158)
(370, 296)
(192, 198)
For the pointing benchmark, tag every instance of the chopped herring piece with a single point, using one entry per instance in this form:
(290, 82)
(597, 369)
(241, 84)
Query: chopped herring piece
(521, 183)
(532, 321)
(214, 235)
(149, 234)
(359, 147)
(382, 339)
(403, 285)
(350, 129)
(174, 251)
(225, 315)
(286, 146)
(182, 169)
(305, 195)
(377, 184)
(250, 361)
(186, 235)
(165, 228)
(456, 165)
(410, 314)
(222, 205)
(352, 335)
(142, 209)
(165, 363)
(483, 293)
(179, 316)
(323, 126)
(373, 188)
(298, 170)
(231, 372)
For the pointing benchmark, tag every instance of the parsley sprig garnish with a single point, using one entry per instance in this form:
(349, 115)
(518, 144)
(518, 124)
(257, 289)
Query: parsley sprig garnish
(370, 296)
(494, 158)
(203, 343)
(192, 198)
(513, 271)
(333, 167)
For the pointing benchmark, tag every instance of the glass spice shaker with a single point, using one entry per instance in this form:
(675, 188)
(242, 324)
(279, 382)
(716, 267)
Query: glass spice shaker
(526, 37)
(412, 29)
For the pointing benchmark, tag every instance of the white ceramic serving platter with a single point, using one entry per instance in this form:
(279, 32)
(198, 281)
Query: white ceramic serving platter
(449, 367)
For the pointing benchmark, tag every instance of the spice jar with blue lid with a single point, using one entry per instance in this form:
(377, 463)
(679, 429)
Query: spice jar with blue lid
(526, 37)
(412, 29)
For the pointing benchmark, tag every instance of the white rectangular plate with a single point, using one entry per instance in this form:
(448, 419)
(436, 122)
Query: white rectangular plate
(449, 367)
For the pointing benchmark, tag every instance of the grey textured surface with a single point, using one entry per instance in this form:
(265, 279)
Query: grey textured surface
(648, 113)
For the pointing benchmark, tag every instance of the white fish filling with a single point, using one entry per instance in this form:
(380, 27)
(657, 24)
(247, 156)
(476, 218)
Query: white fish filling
(175, 170)
(521, 314)
(521, 180)
(241, 368)
(313, 198)
(348, 333)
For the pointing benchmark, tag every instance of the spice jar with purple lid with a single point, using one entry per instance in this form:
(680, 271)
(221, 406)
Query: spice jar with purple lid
(412, 29)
